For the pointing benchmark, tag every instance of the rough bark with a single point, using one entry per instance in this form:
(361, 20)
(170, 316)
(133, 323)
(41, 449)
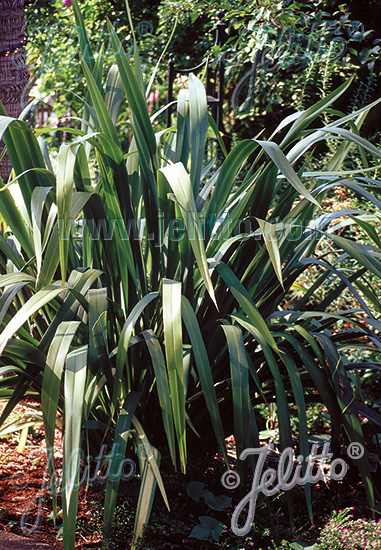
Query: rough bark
(13, 71)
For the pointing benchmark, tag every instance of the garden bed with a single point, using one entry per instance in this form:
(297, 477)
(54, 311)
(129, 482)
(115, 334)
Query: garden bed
(21, 484)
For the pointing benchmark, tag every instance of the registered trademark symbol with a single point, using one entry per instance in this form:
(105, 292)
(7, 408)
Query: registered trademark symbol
(355, 450)
(144, 27)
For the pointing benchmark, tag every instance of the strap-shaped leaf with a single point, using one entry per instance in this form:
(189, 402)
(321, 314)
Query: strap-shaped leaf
(149, 460)
(268, 231)
(124, 341)
(283, 165)
(312, 113)
(7, 298)
(145, 499)
(180, 183)
(98, 305)
(173, 341)
(75, 381)
(122, 430)
(349, 409)
(78, 285)
(243, 298)
(39, 300)
(84, 43)
(65, 180)
(182, 135)
(281, 395)
(39, 196)
(114, 93)
(164, 394)
(298, 392)
(360, 252)
(25, 154)
(198, 125)
(239, 369)
(54, 366)
(13, 218)
(204, 371)
(135, 97)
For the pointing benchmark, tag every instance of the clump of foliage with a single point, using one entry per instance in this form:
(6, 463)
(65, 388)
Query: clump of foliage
(342, 532)
(289, 55)
(143, 289)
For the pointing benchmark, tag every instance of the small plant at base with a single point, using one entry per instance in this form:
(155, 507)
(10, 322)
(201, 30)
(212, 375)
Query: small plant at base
(342, 532)
(208, 527)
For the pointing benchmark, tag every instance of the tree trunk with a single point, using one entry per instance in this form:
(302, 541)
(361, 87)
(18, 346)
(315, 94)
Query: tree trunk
(13, 72)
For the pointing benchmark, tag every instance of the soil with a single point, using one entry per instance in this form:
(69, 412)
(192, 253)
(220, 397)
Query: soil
(9, 541)
(25, 506)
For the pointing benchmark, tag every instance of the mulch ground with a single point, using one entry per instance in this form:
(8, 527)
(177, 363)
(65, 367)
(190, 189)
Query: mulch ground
(9, 541)
(25, 505)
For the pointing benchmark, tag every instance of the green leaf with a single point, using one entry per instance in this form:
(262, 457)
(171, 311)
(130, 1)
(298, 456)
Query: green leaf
(239, 369)
(135, 98)
(180, 183)
(312, 113)
(219, 503)
(124, 341)
(298, 392)
(38, 199)
(163, 390)
(98, 305)
(283, 165)
(227, 176)
(281, 395)
(75, 381)
(360, 252)
(149, 459)
(146, 498)
(65, 180)
(87, 54)
(114, 93)
(105, 122)
(173, 341)
(183, 132)
(14, 220)
(55, 362)
(204, 372)
(269, 234)
(25, 154)
(39, 300)
(196, 490)
(122, 430)
(198, 121)
(7, 298)
(243, 298)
